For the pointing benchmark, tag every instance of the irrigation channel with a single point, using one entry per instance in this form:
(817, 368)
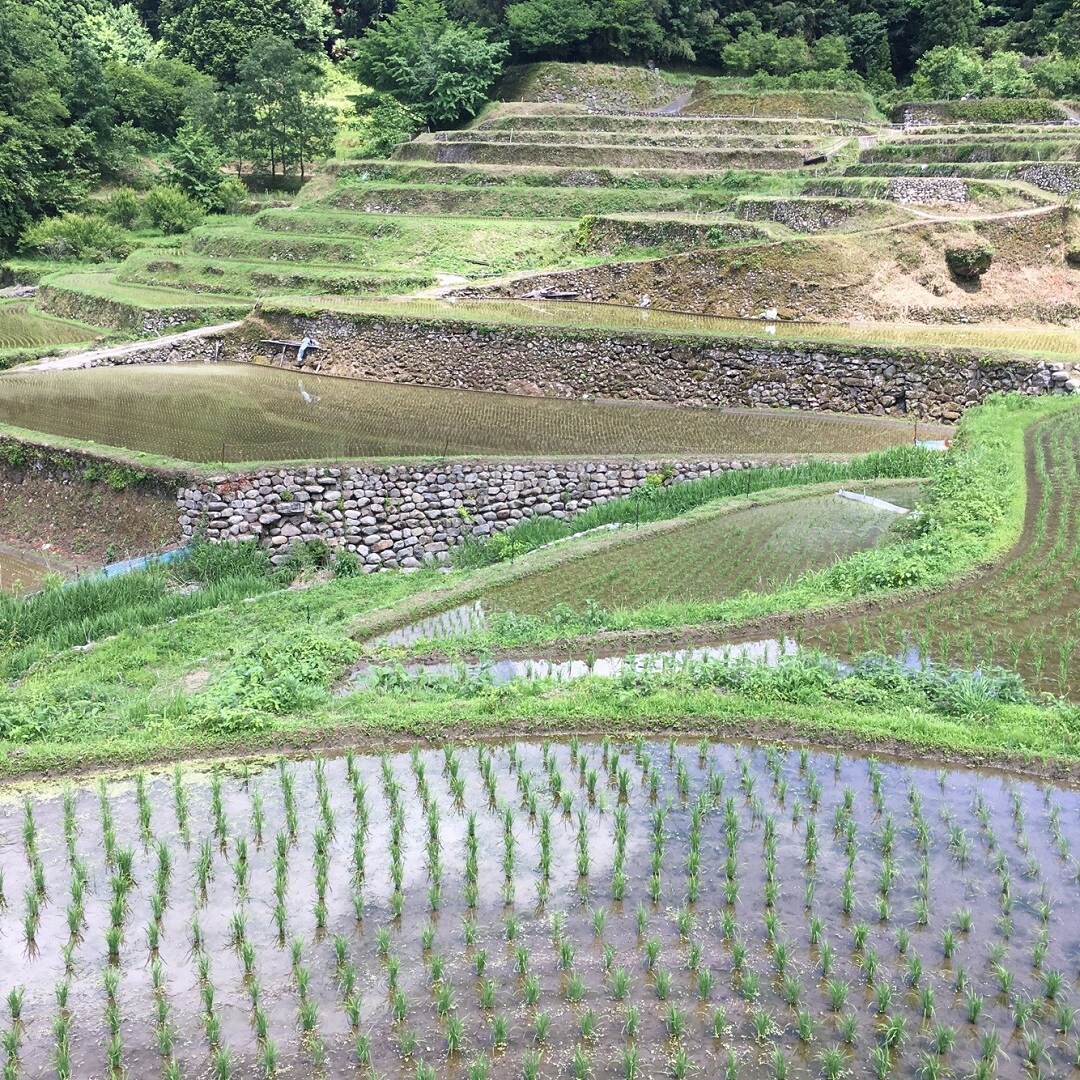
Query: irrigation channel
(242, 413)
(564, 909)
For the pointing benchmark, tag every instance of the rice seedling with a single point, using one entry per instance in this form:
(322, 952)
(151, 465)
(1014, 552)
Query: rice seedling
(833, 1063)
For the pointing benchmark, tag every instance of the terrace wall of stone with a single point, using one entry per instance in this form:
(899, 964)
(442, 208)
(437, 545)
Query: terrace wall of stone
(872, 380)
(809, 215)
(406, 515)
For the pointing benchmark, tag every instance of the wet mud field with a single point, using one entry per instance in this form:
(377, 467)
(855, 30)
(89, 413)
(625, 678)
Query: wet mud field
(541, 909)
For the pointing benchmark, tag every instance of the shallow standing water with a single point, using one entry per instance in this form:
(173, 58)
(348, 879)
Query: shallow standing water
(229, 412)
(958, 841)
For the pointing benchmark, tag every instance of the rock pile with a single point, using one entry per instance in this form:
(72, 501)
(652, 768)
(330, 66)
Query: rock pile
(927, 190)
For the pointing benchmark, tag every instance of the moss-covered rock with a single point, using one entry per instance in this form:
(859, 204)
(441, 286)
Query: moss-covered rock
(968, 260)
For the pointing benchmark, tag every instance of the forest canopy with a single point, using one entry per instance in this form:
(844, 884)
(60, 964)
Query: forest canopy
(89, 88)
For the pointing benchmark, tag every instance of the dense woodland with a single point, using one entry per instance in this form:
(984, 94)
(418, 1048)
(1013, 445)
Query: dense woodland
(89, 89)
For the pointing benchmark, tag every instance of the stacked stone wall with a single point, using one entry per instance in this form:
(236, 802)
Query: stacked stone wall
(407, 515)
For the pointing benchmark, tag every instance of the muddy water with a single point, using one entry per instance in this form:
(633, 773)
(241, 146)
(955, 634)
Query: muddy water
(20, 573)
(766, 651)
(241, 412)
(767, 790)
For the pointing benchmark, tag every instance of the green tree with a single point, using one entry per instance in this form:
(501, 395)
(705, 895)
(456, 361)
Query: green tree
(155, 97)
(277, 113)
(831, 53)
(388, 124)
(216, 35)
(1057, 77)
(117, 33)
(948, 24)
(752, 52)
(540, 28)
(1004, 76)
(946, 73)
(195, 165)
(1068, 30)
(626, 28)
(46, 162)
(424, 59)
(868, 42)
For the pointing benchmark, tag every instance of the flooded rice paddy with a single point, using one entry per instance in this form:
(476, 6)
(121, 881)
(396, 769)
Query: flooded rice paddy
(239, 412)
(559, 909)
(21, 573)
(22, 327)
(1022, 614)
(758, 548)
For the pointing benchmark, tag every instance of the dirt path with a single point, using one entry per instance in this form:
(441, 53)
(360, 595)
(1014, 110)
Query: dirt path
(446, 283)
(93, 356)
(673, 108)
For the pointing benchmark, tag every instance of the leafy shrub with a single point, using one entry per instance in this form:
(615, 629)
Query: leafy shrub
(77, 236)
(195, 165)
(171, 211)
(264, 680)
(1005, 110)
(969, 260)
(387, 125)
(347, 564)
(230, 197)
(977, 694)
(122, 208)
(307, 555)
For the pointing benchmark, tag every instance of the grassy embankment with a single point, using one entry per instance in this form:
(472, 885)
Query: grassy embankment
(256, 672)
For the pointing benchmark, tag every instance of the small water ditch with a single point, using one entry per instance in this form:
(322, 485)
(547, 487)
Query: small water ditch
(467, 618)
(470, 617)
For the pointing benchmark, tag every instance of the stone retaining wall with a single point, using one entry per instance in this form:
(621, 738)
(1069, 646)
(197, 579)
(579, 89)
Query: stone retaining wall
(1062, 177)
(927, 191)
(929, 384)
(405, 515)
(802, 215)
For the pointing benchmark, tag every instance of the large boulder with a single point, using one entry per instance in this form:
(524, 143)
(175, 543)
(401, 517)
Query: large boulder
(968, 260)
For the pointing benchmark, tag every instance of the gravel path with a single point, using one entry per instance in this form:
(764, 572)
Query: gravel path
(92, 356)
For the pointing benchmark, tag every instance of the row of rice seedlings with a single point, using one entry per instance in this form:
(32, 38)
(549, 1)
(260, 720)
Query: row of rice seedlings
(659, 977)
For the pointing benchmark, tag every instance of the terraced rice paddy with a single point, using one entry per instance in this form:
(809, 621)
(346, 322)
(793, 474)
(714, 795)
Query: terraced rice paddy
(20, 574)
(395, 243)
(237, 412)
(576, 909)
(1050, 341)
(759, 548)
(22, 327)
(1023, 614)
